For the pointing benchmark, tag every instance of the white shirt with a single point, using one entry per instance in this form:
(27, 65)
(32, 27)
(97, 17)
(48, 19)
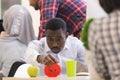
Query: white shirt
(73, 49)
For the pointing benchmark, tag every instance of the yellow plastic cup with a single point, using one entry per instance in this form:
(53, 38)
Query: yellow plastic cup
(71, 68)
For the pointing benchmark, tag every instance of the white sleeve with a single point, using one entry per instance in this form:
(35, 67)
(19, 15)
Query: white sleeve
(80, 52)
(32, 52)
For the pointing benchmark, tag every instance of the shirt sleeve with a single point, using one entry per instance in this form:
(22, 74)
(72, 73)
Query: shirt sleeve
(32, 52)
(81, 51)
(48, 10)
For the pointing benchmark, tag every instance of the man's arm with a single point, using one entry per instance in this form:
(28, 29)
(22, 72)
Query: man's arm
(81, 66)
(32, 52)
(35, 54)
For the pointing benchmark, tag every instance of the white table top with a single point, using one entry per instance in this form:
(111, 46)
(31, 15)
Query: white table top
(49, 78)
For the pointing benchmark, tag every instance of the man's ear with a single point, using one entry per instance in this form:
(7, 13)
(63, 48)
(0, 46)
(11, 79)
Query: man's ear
(67, 34)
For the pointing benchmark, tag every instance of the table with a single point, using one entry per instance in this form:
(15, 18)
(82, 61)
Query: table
(48, 78)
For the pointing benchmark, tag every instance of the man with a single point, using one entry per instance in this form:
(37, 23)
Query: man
(56, 47)
(73, 12)
(104, 41)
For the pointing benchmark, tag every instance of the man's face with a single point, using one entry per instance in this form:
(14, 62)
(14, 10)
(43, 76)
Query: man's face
(34, 3)
(55, 40)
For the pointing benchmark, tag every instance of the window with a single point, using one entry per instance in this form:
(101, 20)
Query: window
(5, 4)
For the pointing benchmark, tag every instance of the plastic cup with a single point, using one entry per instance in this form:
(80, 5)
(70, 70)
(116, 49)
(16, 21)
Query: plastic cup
(71, 68)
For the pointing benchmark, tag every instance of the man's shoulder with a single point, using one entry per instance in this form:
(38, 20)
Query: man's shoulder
(38, 42)
(42, 39)
(73, 40)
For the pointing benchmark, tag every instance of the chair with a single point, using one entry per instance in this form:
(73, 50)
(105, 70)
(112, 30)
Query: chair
(15, 67)
(1, 27)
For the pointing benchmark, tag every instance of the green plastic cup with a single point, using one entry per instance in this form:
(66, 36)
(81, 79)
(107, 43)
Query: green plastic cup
(71, 68)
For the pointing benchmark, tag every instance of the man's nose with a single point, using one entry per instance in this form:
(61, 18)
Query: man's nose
(55, 44)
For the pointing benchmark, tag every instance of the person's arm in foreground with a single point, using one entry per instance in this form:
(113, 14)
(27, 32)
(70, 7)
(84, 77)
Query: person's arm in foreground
(98, 58)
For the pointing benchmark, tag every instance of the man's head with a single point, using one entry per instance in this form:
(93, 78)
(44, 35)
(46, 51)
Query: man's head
(110, 5)
(34, 3)
(56, 34)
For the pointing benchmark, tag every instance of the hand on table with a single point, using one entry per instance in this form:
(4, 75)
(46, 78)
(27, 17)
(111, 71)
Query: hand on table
(46, 59)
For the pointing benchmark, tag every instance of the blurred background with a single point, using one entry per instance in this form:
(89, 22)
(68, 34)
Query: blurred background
(93, 10)
(5, 4)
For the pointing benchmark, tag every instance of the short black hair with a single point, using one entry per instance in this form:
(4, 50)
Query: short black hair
(110, 5)
(55, 24)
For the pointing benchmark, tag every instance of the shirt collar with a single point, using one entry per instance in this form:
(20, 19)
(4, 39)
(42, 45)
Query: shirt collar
(47, 49)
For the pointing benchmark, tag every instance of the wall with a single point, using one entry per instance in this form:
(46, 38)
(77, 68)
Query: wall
(94, 10)
(5, 4)
(35, 15)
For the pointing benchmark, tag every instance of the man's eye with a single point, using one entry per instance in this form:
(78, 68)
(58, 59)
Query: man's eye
(58, 39)
(50, 39)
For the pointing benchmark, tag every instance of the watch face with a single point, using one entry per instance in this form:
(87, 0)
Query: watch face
(52, 70)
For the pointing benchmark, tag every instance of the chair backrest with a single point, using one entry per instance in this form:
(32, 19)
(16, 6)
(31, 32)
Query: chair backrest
(1, 27)
(14, 68)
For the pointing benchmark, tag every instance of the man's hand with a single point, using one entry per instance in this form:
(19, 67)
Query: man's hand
(47, 60)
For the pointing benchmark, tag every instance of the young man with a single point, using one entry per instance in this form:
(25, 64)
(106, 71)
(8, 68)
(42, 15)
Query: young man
(56, 47)
(73, 12)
